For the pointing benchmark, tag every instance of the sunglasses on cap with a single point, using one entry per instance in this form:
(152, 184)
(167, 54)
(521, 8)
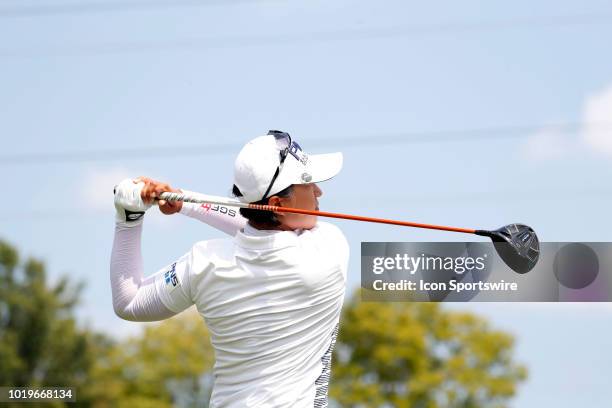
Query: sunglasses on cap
(284, 144)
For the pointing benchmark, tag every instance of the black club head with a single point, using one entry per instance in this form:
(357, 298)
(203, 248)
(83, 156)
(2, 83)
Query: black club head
(517, 245)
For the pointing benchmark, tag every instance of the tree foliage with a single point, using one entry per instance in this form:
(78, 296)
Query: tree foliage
(420, 355)
(166, 365)
(40, 343)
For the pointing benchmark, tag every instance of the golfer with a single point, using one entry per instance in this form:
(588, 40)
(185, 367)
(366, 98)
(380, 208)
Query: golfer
(271, 295)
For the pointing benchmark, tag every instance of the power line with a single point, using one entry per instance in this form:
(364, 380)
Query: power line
(323, 36)
(100, 7)
(173, 151)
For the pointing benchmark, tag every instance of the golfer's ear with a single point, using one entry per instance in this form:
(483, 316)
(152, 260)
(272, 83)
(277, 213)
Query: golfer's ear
(277, 201)
(274, 200)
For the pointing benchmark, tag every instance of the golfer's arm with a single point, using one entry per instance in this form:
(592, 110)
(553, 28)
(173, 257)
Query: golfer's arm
(135, 298)
(226, 219)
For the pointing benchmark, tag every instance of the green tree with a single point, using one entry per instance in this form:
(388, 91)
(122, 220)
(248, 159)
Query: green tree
(168, 364)
(40, 343)
(419, 355)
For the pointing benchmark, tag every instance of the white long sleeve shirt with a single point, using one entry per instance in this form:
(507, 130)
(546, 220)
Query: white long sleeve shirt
(271, 301)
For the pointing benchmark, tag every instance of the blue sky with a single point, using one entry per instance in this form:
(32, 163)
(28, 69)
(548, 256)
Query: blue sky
(472, 113)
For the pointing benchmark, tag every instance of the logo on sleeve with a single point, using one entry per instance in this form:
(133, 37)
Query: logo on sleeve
(133, 215)
(170, 278)
(219, 208)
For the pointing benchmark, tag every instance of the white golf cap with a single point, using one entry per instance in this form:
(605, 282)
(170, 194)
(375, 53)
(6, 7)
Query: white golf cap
(258, 160)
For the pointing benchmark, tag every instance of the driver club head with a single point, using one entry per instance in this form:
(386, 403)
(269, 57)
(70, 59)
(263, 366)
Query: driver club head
(517, 245)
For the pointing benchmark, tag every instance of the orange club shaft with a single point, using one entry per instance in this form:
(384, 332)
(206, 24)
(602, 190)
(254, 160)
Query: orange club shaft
(359, 218)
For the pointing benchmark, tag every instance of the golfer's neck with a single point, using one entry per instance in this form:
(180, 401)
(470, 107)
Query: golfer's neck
(269, 227)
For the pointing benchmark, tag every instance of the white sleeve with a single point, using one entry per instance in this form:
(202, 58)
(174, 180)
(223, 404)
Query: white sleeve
(173, 284)
(135, 297)
(224, 218)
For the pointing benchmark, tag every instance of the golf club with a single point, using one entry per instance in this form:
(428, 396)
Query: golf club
(517, 244)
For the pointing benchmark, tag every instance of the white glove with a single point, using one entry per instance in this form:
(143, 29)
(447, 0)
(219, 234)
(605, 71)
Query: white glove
(128, 203)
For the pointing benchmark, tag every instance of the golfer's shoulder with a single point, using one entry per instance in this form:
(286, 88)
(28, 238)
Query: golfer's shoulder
(329, 230)
(328, 247)
(212, 251)
(327, 234)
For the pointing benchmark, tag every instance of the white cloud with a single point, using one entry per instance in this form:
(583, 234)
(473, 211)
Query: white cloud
(595, 135)
(550, 143)
(597, 115)
(96, 187)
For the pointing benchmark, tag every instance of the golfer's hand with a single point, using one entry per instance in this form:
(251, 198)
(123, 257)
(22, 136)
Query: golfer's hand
(152, 189)
(129, 206)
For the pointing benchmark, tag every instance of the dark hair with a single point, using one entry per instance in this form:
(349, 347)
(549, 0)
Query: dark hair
(258, 218)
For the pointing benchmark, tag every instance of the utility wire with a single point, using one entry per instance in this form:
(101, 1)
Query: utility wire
(102, 7)
(173, 151)
(313, 37)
